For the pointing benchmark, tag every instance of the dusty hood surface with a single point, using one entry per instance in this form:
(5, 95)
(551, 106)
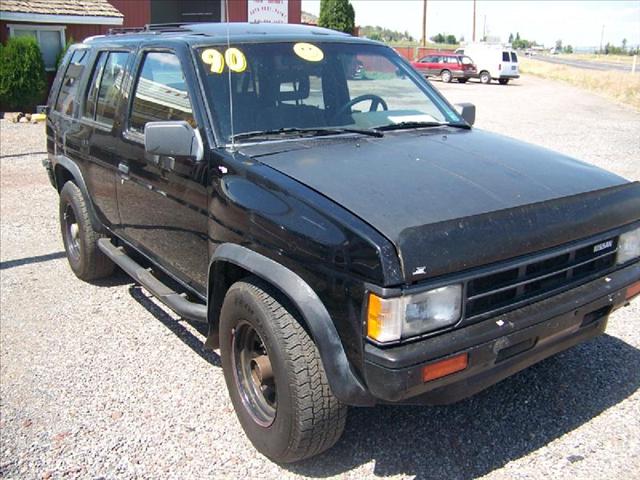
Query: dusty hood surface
(407, 181)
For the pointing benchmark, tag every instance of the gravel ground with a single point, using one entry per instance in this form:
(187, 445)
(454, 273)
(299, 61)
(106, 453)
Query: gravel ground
(100, 381)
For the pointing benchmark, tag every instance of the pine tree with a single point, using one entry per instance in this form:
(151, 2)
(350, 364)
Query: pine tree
(337, 15)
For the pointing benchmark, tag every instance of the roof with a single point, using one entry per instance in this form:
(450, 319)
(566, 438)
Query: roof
(61, 11)
(237, 32)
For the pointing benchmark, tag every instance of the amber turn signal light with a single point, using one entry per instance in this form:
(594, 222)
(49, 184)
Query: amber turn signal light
(632, 291)
(445, 367)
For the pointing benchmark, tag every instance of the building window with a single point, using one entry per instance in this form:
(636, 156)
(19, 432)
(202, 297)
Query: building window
(50, 38)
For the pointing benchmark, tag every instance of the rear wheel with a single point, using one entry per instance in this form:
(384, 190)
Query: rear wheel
(80, 239)
(462, 80)
(446, 76)
(503, 81)
(275, 377)
(485, 77)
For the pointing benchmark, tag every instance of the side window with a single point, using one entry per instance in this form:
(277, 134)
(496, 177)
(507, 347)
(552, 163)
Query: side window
(104, 89)
(514, 57)
(70, 81)
(89, 110)
(160, 93)
(505, 57)
(110, 87)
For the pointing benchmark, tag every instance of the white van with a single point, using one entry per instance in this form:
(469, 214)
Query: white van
(493, 62)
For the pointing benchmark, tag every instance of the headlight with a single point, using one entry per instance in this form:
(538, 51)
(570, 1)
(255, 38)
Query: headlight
(391, 319)
(629, 246)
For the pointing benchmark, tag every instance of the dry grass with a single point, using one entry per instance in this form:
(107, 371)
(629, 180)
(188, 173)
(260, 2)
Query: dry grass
(595, 58)
(620, 86)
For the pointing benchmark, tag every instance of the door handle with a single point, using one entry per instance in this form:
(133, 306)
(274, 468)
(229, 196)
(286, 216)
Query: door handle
(123, 168)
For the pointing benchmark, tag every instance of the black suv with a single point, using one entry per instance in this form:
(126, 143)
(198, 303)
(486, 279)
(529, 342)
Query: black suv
(349, 239)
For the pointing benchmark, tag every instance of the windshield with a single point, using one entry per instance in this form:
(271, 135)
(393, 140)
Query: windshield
(286, 86)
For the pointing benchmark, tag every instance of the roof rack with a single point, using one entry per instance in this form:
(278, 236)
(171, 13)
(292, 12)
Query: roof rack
(151, 27)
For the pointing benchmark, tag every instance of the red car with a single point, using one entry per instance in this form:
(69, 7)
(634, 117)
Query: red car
(447, 66)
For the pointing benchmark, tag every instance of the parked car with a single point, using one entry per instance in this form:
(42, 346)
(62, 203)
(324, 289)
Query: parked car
(493, 62)
(346, 242)
(446, 66)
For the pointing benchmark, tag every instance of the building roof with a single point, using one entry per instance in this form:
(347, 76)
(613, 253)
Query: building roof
(60, 11)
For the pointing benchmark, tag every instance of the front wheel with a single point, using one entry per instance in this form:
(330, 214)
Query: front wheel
(485, 77)
(275, 377)
(446, 76)
(503, 81)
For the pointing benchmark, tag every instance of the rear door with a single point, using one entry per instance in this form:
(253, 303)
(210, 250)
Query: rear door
(505, 64)
(103, 98)
(163, 201)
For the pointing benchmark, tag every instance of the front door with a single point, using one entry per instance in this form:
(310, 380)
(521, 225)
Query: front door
(163, 201)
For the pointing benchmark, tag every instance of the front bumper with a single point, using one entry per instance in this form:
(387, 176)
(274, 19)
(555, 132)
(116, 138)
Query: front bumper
(497, 347)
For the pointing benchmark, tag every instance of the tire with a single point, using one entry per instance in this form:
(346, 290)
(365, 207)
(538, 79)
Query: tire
(80, 239)
(284, 402)
(446, 76)
(503, 81)
(462, 80)
(485, 77)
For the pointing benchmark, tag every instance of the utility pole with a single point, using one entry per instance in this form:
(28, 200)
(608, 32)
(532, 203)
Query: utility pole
(601, 38)
(474, 21)
(424, 23)
(484, 29)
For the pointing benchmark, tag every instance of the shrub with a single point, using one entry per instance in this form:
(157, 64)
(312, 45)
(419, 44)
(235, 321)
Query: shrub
(22, 74)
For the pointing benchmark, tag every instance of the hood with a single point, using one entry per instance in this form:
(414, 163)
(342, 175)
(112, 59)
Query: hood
(410, 180)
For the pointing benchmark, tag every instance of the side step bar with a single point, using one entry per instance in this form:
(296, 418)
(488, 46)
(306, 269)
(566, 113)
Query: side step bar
(172, 299)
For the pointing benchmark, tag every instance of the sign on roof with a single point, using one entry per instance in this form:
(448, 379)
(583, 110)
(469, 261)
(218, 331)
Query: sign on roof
(268, 11)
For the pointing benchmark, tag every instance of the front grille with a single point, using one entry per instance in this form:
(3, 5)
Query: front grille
(533, 278)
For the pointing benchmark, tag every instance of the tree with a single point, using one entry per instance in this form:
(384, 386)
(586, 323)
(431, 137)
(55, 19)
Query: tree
(568, 49)
(517, 36)
(451, 40)
(511, 38)
(439, 38)
(559, 45)
(337, 15)
(22, 74)
(624, 44)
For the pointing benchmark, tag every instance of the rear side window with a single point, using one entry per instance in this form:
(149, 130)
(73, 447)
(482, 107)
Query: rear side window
(161, 92)
(505, 57)
(453, 60)
(105, 88)
(70, 81)
(514, 57)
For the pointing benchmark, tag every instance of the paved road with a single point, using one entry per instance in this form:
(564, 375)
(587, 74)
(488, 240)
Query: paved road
(101, 381)
(601, 66)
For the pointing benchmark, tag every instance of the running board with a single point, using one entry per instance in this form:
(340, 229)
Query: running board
(172, 299)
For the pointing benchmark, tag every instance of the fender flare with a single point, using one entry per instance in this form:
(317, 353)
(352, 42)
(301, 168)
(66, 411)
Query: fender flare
(344, 383)
(75, 172)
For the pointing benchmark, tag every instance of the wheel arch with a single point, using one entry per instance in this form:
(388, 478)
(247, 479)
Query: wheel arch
(232, 262)
(66, 170)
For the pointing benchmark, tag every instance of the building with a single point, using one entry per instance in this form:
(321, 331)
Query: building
(55, 22)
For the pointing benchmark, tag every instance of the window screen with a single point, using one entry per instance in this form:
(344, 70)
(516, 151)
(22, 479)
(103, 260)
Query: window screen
(69, 87)
(161, 92)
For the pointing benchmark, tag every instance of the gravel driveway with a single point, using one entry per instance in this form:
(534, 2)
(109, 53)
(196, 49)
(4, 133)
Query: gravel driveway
(100, 381)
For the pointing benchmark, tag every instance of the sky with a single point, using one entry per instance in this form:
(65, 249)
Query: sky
(578, 22)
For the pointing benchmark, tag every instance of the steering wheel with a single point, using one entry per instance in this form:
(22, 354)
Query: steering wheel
(375, 102)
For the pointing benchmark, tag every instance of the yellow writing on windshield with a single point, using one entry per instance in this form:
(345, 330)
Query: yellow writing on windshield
(234, 58)
(308, 52)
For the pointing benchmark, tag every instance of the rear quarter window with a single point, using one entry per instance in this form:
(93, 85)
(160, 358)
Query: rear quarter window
(506, 57)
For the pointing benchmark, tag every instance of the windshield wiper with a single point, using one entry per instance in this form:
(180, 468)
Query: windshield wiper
(410, 125)
(314, 132)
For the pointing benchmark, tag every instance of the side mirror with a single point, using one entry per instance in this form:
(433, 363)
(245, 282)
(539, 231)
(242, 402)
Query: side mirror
(467, 111)
(175, 139)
